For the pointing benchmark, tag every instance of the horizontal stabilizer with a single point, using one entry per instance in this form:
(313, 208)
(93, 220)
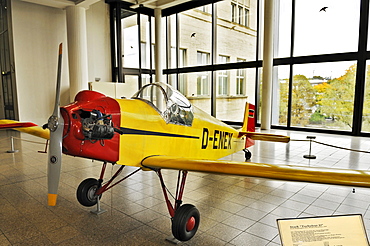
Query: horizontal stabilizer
(27, 127)
(265, 137)
(323, 175)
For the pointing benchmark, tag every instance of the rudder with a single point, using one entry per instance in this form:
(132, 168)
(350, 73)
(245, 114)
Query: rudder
(249, 124)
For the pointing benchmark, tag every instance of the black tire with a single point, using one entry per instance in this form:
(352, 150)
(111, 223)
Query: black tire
(86, 192)
(185, 223)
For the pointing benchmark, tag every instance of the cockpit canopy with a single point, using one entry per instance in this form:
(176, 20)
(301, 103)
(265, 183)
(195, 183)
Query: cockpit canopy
(174, 107)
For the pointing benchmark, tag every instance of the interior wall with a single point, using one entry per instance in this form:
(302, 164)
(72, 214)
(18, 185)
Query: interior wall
(37, 32)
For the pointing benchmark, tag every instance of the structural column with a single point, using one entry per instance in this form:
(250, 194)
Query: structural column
(158, 45)
(267, 64)
(77, 49)
(158, 55)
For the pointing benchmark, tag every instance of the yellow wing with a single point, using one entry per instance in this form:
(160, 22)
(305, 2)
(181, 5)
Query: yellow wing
(281, 172)
(27, 127)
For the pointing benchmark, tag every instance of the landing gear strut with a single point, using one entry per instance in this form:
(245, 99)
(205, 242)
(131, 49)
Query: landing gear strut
(185, 218)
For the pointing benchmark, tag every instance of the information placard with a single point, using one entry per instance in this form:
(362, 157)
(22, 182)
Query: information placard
(337, 230)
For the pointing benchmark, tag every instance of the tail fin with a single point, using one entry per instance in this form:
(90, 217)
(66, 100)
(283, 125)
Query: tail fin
(248, 129)
(249, 120)
(249, 123)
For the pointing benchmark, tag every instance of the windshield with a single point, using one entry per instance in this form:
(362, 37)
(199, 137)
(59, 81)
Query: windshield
(174, 107)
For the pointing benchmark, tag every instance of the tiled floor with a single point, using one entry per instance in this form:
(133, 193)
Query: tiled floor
(234, 210)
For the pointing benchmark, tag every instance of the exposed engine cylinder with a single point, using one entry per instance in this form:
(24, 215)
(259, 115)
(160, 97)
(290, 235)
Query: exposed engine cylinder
(96, 126)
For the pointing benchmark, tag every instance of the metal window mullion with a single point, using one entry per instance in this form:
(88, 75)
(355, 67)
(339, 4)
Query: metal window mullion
(150, 51)
(138, 20)
(361, 69)
(291, 76)
(119, 44)
(214, 57)
(177, 50)
(113, 41)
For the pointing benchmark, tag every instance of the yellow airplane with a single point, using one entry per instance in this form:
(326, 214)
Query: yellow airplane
(158, 128)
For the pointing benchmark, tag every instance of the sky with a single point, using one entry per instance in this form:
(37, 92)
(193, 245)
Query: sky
(320, 32)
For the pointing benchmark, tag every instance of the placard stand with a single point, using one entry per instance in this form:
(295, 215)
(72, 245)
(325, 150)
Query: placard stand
(344, 230)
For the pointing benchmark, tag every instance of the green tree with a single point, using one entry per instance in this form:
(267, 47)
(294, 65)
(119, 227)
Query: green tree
(283, 107)
(303, 100)
(366, 110)
(337, 100)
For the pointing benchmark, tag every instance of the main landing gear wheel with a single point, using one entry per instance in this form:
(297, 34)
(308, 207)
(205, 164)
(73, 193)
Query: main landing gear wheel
(86, 192)
(185, 223)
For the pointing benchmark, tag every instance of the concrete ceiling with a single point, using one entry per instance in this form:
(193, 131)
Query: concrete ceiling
(162, 4)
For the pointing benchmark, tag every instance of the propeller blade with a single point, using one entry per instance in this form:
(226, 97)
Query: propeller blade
(55, 125)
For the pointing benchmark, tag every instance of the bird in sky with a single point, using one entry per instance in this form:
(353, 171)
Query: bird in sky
(193, 35)
(323, 9)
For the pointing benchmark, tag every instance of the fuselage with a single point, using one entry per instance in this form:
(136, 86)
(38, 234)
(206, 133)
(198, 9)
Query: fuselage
(147, 134)
(125, 131)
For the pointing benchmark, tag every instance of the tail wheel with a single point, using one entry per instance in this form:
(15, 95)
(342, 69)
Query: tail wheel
(247, 154)
(185, 223)
(86, 192)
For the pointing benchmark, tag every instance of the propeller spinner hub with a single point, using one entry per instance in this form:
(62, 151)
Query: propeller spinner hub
(53, 123)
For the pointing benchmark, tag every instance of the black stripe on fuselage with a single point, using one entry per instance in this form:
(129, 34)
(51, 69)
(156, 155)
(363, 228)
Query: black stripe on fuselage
(130, 131)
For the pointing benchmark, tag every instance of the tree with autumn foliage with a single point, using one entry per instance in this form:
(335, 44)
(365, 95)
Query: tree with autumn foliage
(303, 101)
(336, 98)
(366, 109)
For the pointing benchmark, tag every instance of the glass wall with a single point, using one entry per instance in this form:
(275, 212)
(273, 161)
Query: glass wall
(212, 55)
(319, 62)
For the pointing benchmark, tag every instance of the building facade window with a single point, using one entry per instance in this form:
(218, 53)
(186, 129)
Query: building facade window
(240, 80)
(246, 17)
(223, 77)
(233, 12)
(240, 15)
(203, 78)
(205, 9)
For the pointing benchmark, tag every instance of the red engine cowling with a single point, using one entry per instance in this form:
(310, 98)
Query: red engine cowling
(89, 127)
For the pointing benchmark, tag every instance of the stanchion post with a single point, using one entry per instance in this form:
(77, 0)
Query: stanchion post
(309, 156)
(12, 150)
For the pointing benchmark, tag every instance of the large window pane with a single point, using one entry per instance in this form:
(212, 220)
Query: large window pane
(283, 25)
(323, 95)
(130, 40)
(236, 30)
(241, 90)
(321, 30)
(366, 109)
(171, 39)
(280, 96)
(147, 60)
(195, 33)
(190, 85)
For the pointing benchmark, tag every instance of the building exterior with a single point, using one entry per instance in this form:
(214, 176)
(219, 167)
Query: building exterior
(192, 30)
